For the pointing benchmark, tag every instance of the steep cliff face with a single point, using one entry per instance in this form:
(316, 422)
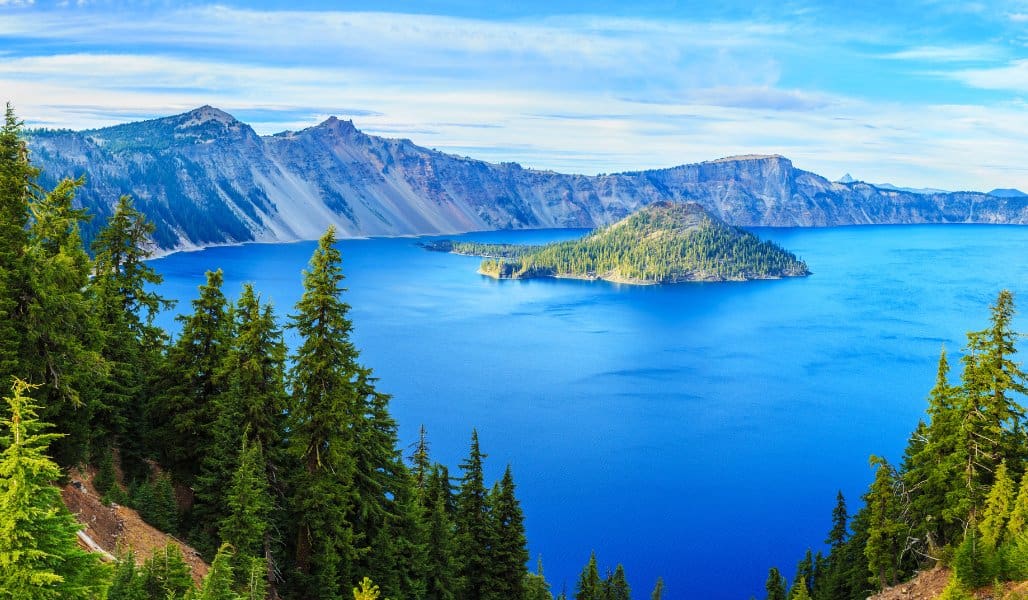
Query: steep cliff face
(205, 178)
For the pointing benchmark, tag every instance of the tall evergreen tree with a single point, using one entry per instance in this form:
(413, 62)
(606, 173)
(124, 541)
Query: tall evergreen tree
(658, 590)
(775, 585)
(1018, 521)
(192, 378)
(838, 533)
(39, 553)
(165, 573)
(474, 531)
(17, 187)
(126, 305)
(536, 586)
(883, 545)
(589, 586)
(509, 552)
(997, 508)
(249, 505)
(219, 584)
(441, 569)
(63, 336)
(617, 585)
(324, 382)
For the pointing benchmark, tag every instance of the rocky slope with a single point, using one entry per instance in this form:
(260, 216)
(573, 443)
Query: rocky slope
(205, 178)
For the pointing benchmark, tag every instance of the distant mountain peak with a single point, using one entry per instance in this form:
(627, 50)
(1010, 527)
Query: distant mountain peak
(1007, 193)
(208, 114)
(847, 178)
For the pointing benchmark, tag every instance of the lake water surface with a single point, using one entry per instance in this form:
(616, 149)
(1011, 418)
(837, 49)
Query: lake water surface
(697, 432)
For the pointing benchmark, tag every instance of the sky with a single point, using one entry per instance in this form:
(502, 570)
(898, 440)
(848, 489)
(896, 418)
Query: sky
(921, 93)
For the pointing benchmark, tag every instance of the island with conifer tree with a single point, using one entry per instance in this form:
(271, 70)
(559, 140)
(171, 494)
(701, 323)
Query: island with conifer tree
(665, 242)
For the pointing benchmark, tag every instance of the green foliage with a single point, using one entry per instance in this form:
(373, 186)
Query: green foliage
(663, 242)
(125, 304)
(775, 585)
(975, 563)
(615, 587)
(249, 503)
(219, 583)
(955, 590)
(326, 381)
(106, 477)
(165, 573)
(658, 590)
(883, 544)
(366, 591)
(155, 501)
(39, 554)
(997, 508)
(589, 586)
(474, 529)
(1018, 521)
(799, 590)
(127, 581)
(536, 586)
(508, 550)
(191, 379)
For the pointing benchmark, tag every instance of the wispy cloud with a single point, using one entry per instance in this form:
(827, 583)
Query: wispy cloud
(947, 54)
(581, 93)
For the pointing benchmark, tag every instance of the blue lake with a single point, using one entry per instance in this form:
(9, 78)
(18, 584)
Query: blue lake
(697, 432)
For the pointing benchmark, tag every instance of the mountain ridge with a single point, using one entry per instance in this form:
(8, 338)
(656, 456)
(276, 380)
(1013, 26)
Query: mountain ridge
(205, 178)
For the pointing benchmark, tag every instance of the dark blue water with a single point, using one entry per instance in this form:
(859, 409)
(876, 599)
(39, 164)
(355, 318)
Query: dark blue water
(697, 432)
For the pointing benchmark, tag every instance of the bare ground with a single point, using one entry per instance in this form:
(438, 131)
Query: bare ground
(116, 528)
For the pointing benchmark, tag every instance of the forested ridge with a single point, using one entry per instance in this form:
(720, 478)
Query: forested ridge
(958, 498)
(281, 467)
(665, 242)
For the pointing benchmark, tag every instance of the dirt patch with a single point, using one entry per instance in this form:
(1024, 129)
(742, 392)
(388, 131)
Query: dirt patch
(927, 585)
(117, 527)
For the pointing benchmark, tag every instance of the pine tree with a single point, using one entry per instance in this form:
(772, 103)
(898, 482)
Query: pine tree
(441, 576)
(249, 504)
(883, 545)
(166, 574)
(127, 582)
(536, 586)
(62, 343)
(589, 585)
(219, 583)
(618, 585)
(474, 531)
(804, 573)
(126, 305)
(191, 381)
(39, 553)
(324, 383)
(508, 552)
(975, 563)
(997, 508)
(838, 533)
(799, 590)
(1018, 521)
(658, 590)
(155, 501)
(775, 585)
(990, 429)
(16, 190)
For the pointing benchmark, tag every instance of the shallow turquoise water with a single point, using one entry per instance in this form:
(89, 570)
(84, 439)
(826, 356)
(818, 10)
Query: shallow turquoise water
(697, 431)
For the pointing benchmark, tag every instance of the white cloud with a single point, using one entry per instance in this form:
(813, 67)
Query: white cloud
(581, 94)
(946, 54)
